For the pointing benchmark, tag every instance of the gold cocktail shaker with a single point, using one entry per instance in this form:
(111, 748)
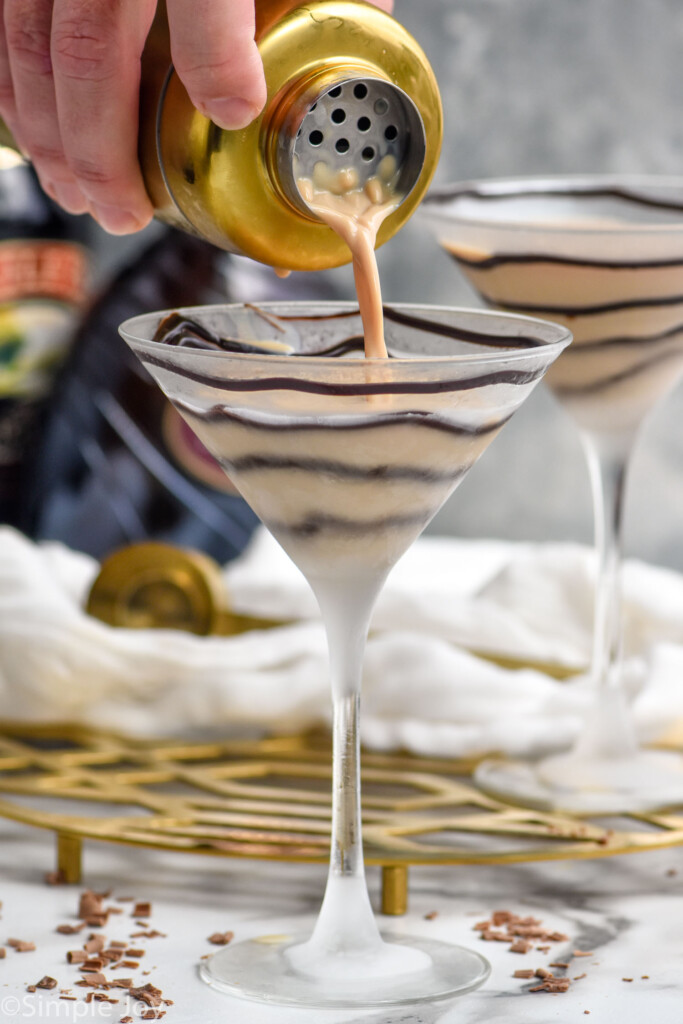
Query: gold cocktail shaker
(347, 84)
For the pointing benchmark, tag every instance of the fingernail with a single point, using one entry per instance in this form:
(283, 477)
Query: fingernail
(70, 197)
(115, 220)
(232, 113)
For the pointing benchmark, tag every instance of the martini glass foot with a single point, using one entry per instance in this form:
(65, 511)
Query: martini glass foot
(644, 781)
(399, 972)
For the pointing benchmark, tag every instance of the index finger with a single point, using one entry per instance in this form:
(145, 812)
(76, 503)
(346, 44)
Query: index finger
(214, 53)
(96, 48)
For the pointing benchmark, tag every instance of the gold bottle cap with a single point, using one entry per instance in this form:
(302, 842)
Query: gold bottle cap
(158, 586)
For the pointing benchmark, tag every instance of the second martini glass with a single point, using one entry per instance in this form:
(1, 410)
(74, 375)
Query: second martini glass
(603, 255)
(345, 460)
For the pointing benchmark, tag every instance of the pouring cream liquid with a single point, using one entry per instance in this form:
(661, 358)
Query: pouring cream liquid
(356, 215)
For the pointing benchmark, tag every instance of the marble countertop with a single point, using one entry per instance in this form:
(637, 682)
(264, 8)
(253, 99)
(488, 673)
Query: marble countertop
(627, 910)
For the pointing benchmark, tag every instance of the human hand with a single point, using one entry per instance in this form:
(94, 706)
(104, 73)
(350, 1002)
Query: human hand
(70, 80)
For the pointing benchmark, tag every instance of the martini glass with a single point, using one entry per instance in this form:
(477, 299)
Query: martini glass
(604, 256)
(345, 460)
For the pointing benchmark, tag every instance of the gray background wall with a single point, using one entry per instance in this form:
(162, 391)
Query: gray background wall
(547, 86)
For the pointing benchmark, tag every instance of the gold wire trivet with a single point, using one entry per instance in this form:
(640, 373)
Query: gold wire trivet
(270, 799)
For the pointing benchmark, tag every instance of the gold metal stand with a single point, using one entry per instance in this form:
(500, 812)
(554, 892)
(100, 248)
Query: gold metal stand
(269, 799)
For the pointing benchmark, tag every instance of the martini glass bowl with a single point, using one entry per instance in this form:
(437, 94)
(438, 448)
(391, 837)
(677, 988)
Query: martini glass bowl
(345, 460)
(603, 256)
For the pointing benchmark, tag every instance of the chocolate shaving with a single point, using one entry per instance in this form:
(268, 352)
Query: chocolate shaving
(21, 946)
(76, 956)
(524, 973)
(583, 952)
(70, 929)
(511, 926)
(93, 980)
(136, 954)
(520, 946)
(141, 910)
(90, 904)
(97, 920)
(431, 915)
(55, 878)
(153, 934)
(94, 964)
(552, 985)
(221, 938)
(148, 994)
(3, 952)
(604, 840)
(111, 955)
(95, 944)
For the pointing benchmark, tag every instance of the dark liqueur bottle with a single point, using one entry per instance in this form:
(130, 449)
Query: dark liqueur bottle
(117, 464)
(43, 283)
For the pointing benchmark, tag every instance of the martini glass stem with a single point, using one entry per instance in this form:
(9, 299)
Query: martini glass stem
(346, 923)
(610, 731)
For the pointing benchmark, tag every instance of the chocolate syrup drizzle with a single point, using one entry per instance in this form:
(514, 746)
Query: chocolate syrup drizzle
(183, 332)
(431, 421)
(630, 195)
(317, 523)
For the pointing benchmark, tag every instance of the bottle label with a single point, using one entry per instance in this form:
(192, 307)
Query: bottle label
(190, 454)
(42, 286)
(43, 270)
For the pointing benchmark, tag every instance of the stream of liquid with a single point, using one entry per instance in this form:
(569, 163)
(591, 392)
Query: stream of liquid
(356, 215)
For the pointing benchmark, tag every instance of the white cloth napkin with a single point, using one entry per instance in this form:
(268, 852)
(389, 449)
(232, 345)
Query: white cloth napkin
(422, 689)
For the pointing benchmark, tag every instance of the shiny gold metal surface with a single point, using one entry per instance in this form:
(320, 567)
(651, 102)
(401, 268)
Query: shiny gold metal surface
(270, 799)
(225, 184)
(156, 585)
(160, 586)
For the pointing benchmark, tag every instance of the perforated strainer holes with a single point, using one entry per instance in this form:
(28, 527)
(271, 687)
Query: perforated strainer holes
(316, 137)
(381, 106)
(338, 116)
(360, 91)
(368, 153)
(333, 93)
(342, 145)
(364, 124)
(390, 132)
